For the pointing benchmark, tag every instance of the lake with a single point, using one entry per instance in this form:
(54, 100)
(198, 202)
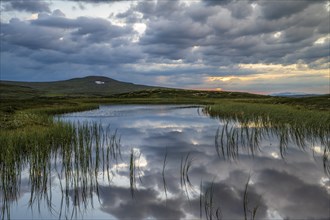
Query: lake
(174, 162)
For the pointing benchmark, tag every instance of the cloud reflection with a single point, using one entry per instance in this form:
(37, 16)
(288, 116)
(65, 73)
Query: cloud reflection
(291, 188)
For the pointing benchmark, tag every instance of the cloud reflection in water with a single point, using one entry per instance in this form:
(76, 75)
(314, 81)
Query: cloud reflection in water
(294, 187)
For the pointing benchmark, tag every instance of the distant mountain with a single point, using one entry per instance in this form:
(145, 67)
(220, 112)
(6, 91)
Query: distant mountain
(293, 94)
(99, 86)
(91, 85)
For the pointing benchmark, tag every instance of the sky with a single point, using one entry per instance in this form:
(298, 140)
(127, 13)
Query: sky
(265, 46)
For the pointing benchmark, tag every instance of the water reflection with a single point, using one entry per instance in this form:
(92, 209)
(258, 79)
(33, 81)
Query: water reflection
(169, 162)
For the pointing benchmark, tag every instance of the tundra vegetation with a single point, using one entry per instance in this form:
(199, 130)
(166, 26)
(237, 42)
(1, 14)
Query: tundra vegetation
(32, 137)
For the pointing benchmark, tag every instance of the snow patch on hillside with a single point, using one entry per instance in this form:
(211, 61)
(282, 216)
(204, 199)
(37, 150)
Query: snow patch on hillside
(99, 82)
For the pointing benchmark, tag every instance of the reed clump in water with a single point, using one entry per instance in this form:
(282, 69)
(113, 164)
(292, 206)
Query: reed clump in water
(247, 210)
(311, 123)
(73, 153)
(207, 201)
(244, 125)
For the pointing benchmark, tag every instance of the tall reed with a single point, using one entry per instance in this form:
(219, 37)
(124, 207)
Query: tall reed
(72, 152)
(244, 126)
(186, 164)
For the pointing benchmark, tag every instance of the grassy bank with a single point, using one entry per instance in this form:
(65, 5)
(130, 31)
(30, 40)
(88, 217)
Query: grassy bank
(289, 122)
(19, 114)
(277, 113)
(34, 116)
(246, 124)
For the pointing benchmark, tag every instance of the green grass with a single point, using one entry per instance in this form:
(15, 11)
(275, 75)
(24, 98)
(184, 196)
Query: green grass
(16, 114)
(36, 114)
(321, 102)
(280, 118)
(275, 113)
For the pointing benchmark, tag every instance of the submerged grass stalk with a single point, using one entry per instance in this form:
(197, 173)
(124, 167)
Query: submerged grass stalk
(163, 174)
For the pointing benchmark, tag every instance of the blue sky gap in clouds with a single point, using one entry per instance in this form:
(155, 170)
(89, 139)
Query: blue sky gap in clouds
(243, 45)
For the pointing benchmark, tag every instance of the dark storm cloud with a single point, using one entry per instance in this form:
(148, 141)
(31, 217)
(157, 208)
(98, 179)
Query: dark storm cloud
(96, 30)
(211, 33)
(238, 8)
(200, 14)
(311, 54)
(170, 32)
(81, 2)
(129, 16)
(223, 36)
(273, 10)
(218, 2)
(160, 9)
(55, 39)
(20, 33)
(95, 1)
(26, 5)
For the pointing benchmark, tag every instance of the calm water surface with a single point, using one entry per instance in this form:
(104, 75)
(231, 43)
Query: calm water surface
(167, 166)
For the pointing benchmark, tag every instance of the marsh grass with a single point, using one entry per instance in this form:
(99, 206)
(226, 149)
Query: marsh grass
(244, 126)
(326, 163)
(19, 115)
(186, 185)
(132, 172)
(305, 123)
(210, 204)
(31, 138)
(208, 201)
(163, 174)
(233, 138)
(73, 153)
(236, 136)
(247, 210)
